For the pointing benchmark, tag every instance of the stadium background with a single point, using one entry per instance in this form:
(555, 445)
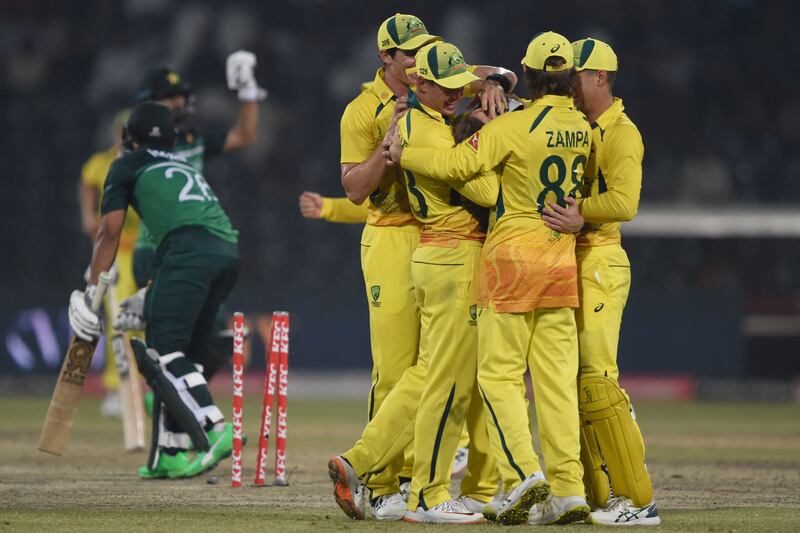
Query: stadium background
(712, 86)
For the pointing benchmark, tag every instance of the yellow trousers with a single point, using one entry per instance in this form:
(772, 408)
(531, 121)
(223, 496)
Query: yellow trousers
(125, 287)
(544, 340)
(604, 281)
(393, 322)
(446, 295)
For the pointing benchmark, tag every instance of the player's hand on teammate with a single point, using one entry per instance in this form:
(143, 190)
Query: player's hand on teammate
(492, 99)
(392, 148)
(241, 76)
(83, 321)
(131, 313)
(310, 205)
(563, 219)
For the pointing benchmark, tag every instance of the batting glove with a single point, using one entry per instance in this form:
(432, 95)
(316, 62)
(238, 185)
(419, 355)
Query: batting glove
(84, 322)
(239, 70)
(131, 313)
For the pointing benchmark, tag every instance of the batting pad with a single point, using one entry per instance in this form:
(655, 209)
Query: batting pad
(612, 449)
(173, 392)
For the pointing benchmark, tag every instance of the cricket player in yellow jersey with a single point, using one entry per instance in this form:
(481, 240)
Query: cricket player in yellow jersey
(612, 448)
(392, 234)
(441, 383)
(528, 284)
(93, 176)
(443, 269)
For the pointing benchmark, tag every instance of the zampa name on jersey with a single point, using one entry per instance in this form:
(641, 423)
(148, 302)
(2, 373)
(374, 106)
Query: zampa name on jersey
(567, 139)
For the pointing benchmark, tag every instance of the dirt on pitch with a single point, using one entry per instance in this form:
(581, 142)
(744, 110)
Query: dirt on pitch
(716, 467)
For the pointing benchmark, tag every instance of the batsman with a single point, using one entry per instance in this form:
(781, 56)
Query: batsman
(196, 266)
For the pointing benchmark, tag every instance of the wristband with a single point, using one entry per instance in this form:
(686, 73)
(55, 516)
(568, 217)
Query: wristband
(502, 80)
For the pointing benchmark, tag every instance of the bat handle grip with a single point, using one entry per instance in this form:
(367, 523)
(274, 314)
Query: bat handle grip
(103, 281)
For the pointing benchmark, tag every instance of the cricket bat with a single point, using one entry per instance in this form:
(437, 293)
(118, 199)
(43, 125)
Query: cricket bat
(64, 403)
(130, 386)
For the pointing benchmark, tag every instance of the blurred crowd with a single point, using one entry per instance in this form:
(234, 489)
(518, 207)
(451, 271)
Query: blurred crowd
(712, 86)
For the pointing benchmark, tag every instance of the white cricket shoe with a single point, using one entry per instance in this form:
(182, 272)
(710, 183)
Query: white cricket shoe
(112, 405)
(460, 463)
(620, 511)
(475, 506)
(448, 512)
(514, 509)
(388, 507)
(490, 509)
(559, 510)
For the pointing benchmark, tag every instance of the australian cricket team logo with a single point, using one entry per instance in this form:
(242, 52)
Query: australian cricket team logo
(375, 292)
(473, 315)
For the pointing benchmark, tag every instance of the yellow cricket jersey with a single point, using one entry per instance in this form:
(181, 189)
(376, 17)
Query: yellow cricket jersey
(613, 180)
(365, 121)
(540, 154)
(94, 174)
(439, 206)
(344, 211)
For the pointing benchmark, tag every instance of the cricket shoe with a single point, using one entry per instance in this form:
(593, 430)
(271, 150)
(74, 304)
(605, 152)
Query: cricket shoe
(169, 466)
(388, 507)
(476, 506)
(516, 506)
(620, 511)
(559, 510)
(447, 512)
(220, 446)
(345, 487)
(460, 463)
(490, 509)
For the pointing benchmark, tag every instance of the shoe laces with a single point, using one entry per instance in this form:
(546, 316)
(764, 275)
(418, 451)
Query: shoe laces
(618, 504)
(452, 506)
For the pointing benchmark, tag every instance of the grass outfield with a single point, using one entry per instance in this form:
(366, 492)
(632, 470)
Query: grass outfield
(716, 467)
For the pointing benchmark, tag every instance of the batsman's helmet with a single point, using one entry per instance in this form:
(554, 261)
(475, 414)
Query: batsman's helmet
(151, 123)
(162, 82)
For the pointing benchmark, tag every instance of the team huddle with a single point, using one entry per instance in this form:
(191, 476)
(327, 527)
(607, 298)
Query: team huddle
(492, 249)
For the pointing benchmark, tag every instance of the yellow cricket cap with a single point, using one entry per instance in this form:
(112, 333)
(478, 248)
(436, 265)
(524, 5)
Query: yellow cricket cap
(591, 54)
(546, 45)
(402, 31)
(443, 64)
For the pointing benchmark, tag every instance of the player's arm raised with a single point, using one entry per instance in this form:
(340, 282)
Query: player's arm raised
(491, 91)
(241, 78)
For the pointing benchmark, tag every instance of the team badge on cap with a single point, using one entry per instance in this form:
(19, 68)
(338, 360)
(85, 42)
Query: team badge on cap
(444, 64)
(406, 32)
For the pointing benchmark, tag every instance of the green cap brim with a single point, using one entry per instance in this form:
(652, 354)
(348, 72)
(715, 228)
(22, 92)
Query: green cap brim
(418, 41)
(456, 82)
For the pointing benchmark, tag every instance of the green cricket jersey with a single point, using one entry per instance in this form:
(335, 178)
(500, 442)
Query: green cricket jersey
(167, 193)
(195, 146)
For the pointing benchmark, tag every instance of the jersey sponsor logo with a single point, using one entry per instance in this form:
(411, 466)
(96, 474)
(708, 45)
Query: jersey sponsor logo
(567, 139)
(473, 141)
(375, 292)
(599, 307)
